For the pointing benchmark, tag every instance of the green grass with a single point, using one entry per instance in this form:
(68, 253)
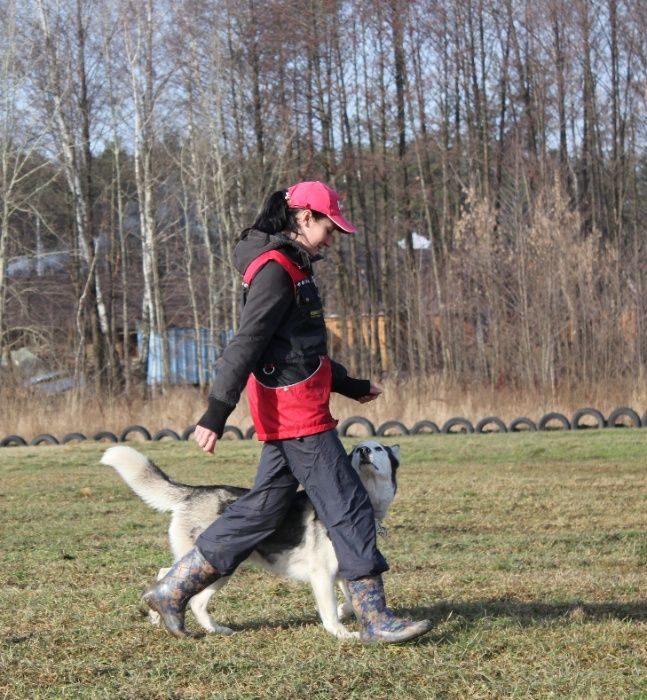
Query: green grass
(528, 551)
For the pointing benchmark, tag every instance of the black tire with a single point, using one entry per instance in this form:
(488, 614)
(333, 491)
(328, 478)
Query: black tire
(463, 423)
(390, 425)
(528, 425)
(424, 426)
(250, 432)
(233, 430)
(623, 412)
(590, 413)
(105, 435)
(165, 433)
(553, 416)
(144, 432)
(644, 419)
(491, 420)
(71, 437)
(187, 432)
(44, 438)
(13, 440)
(356, 420)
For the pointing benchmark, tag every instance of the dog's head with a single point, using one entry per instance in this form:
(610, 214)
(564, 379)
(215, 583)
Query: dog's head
(376, 465)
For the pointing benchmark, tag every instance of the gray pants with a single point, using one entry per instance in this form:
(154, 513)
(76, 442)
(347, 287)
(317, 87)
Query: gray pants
(320, 464)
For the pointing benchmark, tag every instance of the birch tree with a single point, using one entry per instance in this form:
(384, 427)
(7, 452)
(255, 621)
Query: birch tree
(64, 32)
(20, 138)
(148, 74)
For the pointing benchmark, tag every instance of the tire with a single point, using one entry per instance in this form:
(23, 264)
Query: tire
(400, 428)
(644, 419)
(71, 437)
(165, 432)
(460, 422)
(105, 435)
(623, 412)
(233, 430)
(250, 432)
(591, 413)
(44, 438)
(424, 426)
(528, 424)
(13, 440)
(356, 420)
(491, 420)
(187, 432)
(553, 416)
(123, 435)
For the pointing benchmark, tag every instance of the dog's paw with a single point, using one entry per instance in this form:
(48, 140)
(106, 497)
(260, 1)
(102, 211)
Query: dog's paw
(344, 611)
(340, 631)
(343, 633)
(214, 628)
(154, 617)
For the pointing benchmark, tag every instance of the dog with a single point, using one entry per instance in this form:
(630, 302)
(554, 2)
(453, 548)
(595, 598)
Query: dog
(299, 549)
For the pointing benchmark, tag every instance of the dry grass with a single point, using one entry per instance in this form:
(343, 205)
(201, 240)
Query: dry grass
(527, 551)
(404, 400)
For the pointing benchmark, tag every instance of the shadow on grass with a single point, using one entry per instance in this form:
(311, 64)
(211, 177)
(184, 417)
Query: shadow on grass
(465, 615)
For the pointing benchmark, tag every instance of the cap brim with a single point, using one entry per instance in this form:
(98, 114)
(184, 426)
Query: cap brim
(342, 223)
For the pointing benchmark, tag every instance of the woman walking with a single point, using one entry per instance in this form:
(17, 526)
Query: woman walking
(279, 354)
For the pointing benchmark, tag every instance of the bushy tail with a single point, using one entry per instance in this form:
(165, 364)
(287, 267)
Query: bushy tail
(147, 480)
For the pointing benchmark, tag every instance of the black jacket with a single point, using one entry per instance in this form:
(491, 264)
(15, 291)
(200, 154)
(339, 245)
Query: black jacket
(281, 335)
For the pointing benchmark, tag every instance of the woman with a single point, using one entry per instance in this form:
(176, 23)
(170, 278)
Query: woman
(280, 354)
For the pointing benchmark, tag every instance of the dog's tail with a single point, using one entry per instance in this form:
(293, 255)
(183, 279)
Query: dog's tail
(146, 479)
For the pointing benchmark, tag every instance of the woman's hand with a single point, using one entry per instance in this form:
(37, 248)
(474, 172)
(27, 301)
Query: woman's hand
(205, 438)
(372, 395)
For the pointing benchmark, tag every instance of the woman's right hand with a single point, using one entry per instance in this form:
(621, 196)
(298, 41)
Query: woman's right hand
(205, 438)
(374, 392)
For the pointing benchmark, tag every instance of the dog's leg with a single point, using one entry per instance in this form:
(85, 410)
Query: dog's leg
(345, 609)
(323, 587)
(199, 604)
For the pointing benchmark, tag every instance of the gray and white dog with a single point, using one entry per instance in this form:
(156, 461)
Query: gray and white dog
(299, 549)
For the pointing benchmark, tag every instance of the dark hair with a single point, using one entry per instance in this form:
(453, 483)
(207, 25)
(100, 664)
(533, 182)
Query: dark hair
(276, 216)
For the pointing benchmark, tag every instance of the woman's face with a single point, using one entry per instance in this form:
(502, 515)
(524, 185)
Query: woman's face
(314, 234)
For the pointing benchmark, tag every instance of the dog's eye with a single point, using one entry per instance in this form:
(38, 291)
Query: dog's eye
(379, 449)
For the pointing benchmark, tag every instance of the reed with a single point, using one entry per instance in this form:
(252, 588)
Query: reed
(27, 413)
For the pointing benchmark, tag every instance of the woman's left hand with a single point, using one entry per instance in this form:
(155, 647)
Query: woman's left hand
(205, 438)
(372, 395)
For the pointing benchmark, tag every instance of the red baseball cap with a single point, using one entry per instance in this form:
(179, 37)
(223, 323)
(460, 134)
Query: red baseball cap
(315, 195)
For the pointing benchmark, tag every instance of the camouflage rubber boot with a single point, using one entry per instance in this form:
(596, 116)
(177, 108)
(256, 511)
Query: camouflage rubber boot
(377, 623)
(169, 596)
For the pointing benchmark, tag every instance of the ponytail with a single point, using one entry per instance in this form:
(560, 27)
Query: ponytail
(276, 217)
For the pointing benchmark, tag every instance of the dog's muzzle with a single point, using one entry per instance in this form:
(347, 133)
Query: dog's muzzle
(364, 455)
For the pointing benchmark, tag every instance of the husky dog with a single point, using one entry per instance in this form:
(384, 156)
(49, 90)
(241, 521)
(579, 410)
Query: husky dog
(299, 549)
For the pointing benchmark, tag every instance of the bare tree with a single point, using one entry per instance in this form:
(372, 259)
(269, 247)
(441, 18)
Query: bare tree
(20, 138)
(65, 92)
(148, 75)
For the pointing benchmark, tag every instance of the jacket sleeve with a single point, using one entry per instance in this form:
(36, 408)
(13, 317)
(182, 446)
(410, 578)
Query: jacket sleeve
(348, 386)
(269, 298)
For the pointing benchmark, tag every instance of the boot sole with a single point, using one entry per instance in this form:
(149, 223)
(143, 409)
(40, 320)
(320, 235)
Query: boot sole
(373, 641)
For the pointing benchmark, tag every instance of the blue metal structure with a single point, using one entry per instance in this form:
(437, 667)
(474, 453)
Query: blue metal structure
(184, 347)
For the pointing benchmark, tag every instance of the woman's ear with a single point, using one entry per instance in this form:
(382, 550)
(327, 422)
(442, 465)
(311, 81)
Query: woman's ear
(304, 217)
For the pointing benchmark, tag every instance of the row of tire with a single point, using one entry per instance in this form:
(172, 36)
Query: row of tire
(582, 419)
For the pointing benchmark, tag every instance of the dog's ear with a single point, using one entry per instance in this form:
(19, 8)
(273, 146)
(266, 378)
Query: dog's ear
(394, 455)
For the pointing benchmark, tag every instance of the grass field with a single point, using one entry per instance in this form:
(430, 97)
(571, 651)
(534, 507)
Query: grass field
(528, 551)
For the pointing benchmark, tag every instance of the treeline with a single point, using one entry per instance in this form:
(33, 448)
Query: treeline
(492, 154)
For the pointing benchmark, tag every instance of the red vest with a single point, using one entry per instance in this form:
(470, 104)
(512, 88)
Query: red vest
(296, 410)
